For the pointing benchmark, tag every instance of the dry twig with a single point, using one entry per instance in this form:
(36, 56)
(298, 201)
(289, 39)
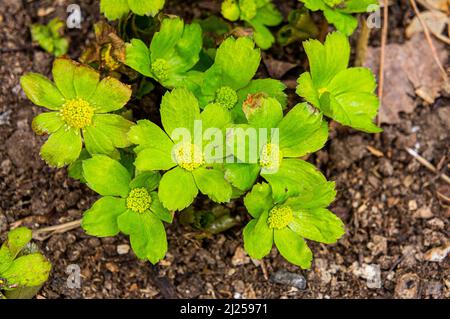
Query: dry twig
(427, 164)
(47, 232)
(384, 34)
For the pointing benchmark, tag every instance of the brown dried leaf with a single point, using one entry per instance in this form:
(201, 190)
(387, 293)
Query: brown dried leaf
(435, 20)
(409, 70)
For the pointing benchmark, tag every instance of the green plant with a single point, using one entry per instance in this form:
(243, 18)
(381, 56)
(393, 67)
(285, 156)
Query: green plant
(23, 270)
(344, 94)
(229, 81)
(189, 168)
(339, 12)
(50, 37)
(287, 223)
(223, 132)
(174, 50)
(128, 205)
(259, 14)
(115, 9)
(79, 103)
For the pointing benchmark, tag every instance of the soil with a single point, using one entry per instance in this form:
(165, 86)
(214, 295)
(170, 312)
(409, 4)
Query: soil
(394, 209)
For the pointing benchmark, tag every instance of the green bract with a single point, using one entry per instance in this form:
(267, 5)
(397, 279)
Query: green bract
(287, 223)
(344, 94)
(128, 205)
(50, 37)
(339, 12)
(258, 13)
(174, 51)
(22, 269)
(300, 132)
(190, 163)
(229, 81)
(115, 9)
(79, 103)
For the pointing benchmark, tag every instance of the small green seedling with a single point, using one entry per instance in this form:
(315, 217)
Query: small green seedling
(287, 223)
(229, 81)
(23, 270)
(79, 103)
(300, 27)
(116, 9)
(339, 12)
(174, 51)
(50, 37)
(129, 205)
(188, 166)
(344, 94)
(259, 14)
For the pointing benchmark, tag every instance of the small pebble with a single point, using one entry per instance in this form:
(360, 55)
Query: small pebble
(287, 278)
(123, 249)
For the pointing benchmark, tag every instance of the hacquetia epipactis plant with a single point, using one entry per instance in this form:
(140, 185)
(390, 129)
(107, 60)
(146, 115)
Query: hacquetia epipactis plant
(224, 132)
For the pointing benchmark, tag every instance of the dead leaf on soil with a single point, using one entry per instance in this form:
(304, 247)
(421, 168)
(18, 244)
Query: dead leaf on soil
(276, 68)
(435, 20)
(409, 71)
(441, 5)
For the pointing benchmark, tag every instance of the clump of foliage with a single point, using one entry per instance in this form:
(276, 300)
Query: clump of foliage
(115, 9)
(259, 14)
(339, 12)
(50, 37)
(23, 270)
(223, 134)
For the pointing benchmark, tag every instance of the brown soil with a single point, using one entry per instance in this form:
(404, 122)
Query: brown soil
(393, 208)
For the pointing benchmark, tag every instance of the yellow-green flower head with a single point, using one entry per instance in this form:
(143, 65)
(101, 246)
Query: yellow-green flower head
(188, 156)
(248, 9)
(139, 200)
(280, 217)
(227, 97)
(77, 113)
(333, 3)
(270, 157)
(230, 10)
(160, 69)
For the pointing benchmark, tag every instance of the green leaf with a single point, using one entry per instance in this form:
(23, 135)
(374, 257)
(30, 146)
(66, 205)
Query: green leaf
(5, 258)
(302, 131)
(211, 182)
(114, 9)
(318, 193)
(269, 14)
(293, 177)
(270, 87)
(360, 6)
(241, 175)
(343, 22)
(259, 200)
(49, 37)
(114, 126)
(147, 235)
(262, 35)
(327, 60)
(318, 224)
(215, 116)
(159, 210)
(46, 123)
(110, 95)
(307, 90)
(41, 91)
(97, 142)
(293, 248)
(179, 109)
(29, 271)
(63, 72)
(267, 114)
(106, 176)
(141, 8)
(258, 237)
(138, 57)
(17, 240)
(166, 38)
(153, 159)
(75, 169)
(62, 148)
(85, 81)
(148, 180)
(101, 219)
(238, 60)
(177, 189)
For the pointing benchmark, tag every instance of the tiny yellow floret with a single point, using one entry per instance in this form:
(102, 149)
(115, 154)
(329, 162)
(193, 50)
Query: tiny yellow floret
(270, 157)
(77, 113)
(280, 217)
(139, 200)
(227, 97)
(188, 156)
(160, 69)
